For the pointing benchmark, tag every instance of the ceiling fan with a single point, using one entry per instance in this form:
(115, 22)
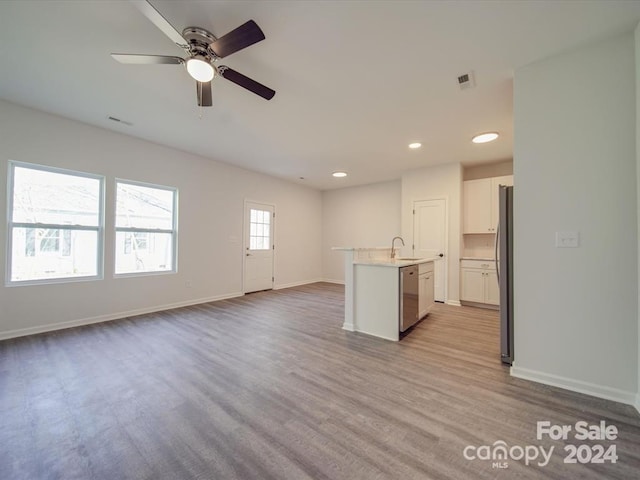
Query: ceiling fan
(203, 51)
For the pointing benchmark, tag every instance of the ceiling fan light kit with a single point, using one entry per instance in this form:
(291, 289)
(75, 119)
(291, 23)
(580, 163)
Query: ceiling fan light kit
(203, 50)
(200, 69)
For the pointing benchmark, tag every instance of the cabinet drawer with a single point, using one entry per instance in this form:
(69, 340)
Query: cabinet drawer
(425, 268)
(481, 264)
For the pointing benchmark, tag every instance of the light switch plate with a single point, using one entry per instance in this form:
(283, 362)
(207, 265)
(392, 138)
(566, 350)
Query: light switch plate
(567, 239)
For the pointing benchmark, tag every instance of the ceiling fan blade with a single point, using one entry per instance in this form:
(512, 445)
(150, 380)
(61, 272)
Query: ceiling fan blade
(246, 82)
(243, 36)
(146, 59)
(203, 89)
(159, 21)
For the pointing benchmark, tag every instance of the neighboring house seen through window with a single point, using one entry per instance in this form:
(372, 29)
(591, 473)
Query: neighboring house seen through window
(145, 228)
(55, 224)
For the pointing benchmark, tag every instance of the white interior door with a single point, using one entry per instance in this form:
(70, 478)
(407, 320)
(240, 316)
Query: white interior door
(429, 239)
(258, 237)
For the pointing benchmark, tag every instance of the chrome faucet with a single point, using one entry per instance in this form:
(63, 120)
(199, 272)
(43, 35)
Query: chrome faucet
(393, 249)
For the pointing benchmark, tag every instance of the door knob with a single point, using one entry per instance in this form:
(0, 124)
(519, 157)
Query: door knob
(441, 255)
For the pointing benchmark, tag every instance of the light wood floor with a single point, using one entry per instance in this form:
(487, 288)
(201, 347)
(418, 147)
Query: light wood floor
(268, 386)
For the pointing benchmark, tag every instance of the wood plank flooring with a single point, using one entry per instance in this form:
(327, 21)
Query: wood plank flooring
(268, 386)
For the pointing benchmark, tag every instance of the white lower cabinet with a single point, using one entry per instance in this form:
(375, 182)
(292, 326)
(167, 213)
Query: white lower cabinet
(479, 282)
(426, 297)
(492, 289)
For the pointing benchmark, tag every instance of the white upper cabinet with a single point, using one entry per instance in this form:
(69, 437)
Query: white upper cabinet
(480, 207)
(477, 207)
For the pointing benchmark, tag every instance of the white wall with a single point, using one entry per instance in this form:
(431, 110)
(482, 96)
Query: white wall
(637, 59)
(576, 309)
(211, 197)
(366, 216)
(443, 181)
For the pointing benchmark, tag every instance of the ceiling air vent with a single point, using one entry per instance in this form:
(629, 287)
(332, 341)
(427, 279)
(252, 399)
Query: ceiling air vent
(466, 81)
(124, 122)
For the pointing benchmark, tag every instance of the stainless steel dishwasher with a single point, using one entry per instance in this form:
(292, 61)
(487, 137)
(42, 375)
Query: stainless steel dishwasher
(408, 296)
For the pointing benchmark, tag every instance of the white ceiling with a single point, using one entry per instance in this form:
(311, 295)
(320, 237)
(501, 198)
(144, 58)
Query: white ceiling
(356, 81)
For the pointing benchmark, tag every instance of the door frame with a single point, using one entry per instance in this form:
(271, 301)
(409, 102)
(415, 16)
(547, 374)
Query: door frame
(444, 198)
(245, 239)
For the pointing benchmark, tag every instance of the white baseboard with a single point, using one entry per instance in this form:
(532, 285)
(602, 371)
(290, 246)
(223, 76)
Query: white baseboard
(486, 306)
(637, 404)
(455, 303)
(295, 284)
(349, 327)
(595, 390)
(329, 280)
(21, 332)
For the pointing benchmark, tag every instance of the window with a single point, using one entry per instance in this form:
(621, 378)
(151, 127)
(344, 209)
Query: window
(259, 225)
(145, 228)
(55, 224)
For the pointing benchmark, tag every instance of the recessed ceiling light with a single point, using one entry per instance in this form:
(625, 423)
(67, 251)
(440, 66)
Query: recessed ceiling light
(339, 174)
(485, 137)
(415, 145)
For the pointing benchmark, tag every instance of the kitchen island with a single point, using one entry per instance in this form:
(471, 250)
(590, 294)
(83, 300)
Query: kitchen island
(373, 291)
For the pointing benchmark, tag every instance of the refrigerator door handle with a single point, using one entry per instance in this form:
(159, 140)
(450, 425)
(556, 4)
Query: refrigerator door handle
(496, 251)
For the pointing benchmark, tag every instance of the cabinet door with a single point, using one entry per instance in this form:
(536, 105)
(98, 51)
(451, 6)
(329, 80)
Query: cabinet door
(422, 296)
(426, 298)
(472, 285)
(492, 291)
(430, 291)
(476, 205)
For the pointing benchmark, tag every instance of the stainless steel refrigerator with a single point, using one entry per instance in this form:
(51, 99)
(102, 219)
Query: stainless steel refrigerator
(504, 270)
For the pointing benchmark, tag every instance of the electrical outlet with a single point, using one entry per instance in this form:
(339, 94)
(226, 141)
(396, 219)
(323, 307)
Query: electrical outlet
(187, 284)
(567, 239)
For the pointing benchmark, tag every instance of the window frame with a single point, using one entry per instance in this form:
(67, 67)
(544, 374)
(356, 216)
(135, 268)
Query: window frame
(10, 225)
(173, 231)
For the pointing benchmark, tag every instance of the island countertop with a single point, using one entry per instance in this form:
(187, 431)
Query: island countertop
(396, 263)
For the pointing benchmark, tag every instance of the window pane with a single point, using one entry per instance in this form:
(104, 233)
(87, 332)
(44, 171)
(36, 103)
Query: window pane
(40, 196)
(39, 254)
(144, 207)
(143, 252)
